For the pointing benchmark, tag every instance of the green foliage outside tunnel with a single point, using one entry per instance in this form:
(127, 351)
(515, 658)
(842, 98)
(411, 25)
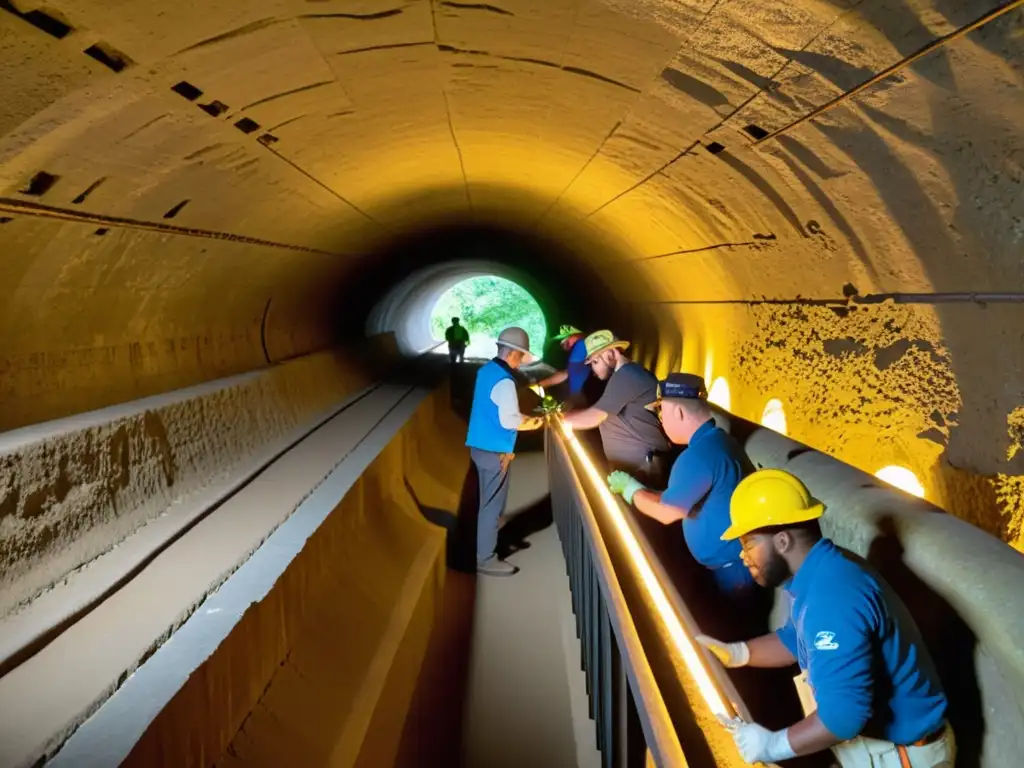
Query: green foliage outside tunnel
(485, 305)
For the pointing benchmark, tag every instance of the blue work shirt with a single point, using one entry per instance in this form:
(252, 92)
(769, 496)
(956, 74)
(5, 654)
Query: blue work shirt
(866, 662)
(577, 367)
(701, 484)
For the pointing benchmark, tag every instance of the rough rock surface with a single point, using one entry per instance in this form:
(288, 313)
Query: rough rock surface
(299, 134)
(73, 493)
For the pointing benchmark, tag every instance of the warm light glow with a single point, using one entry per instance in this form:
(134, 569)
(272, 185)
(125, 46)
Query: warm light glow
(774, 416)
(719, 393)
(709, 367)
(684, 643)
(902, 478)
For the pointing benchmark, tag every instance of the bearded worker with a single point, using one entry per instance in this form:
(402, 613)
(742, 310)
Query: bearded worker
(873, 695)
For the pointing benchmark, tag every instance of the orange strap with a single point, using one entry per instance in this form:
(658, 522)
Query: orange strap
(904, 757)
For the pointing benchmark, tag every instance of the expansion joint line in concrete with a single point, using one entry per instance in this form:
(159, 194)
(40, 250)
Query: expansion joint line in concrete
(702, 249)
(323, 186)
(23, 208)
(992, 15)
(974, 297)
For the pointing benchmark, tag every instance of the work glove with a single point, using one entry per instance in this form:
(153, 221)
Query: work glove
(551, 406)
(730, 654)
(625, 485)
(756, 744)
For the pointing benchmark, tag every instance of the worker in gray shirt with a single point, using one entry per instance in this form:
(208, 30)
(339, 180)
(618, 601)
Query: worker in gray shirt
(632, 436)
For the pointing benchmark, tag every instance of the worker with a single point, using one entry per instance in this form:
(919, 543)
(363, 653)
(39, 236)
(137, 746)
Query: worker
(701, 483)
(494, 422)
(458, 339)
(631, 436)
(576, 370)
(872, 692)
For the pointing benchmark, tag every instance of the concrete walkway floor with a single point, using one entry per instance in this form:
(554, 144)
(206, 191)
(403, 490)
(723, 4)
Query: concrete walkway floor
(526, 703)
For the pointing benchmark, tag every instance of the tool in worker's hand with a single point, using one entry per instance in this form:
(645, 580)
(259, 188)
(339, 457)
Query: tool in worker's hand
(550, 405)
(625, 485)
(730, 654)
(756, 744)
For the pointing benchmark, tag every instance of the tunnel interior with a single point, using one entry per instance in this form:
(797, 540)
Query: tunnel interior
(215, 216)
(816, 203)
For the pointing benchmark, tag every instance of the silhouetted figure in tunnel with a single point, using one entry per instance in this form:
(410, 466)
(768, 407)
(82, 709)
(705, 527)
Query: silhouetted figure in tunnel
(870, 691)
(458, 339)
(494, 422)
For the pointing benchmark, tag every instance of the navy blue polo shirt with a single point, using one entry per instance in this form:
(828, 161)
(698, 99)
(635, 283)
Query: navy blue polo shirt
(577, 367)
(701, 484)
(867, 664)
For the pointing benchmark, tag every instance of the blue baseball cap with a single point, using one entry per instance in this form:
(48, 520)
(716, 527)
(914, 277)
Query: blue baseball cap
(684, 386)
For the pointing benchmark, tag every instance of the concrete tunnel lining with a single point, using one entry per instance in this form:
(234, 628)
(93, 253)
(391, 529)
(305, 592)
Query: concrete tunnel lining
(839, 268)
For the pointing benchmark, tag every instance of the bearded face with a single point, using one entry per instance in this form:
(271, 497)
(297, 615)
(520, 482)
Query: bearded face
(762, 558)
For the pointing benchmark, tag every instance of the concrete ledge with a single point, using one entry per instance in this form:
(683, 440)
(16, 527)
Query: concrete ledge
(72, 489)
(964, 587)
(310, 652)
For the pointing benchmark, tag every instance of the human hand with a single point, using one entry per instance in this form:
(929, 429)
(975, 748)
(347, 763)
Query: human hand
(756, 744)
(625, 485)
(730, 654)
(531, 422)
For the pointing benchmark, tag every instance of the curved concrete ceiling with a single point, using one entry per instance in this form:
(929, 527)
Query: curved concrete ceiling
(190, 188)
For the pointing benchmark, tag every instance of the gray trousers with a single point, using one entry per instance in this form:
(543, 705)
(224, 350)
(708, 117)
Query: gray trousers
(493, 497)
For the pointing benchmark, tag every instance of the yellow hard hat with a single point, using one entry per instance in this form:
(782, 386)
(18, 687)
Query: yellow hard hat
(599, 341)
(767, 498)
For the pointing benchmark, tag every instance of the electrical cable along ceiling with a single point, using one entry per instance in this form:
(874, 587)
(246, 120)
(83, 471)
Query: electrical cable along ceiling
(187, 189)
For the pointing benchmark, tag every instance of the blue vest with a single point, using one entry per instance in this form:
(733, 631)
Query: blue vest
(485, 430)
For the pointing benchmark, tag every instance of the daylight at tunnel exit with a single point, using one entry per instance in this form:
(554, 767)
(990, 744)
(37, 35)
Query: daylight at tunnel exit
(512, 383)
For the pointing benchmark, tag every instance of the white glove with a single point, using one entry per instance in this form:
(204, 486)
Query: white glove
(756, 744)
(730, 654)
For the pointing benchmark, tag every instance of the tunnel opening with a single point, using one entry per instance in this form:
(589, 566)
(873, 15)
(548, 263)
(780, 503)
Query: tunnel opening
(484, 306)
(436, 256)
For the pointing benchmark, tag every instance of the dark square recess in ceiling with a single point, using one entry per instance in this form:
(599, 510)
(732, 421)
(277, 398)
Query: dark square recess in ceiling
(187, 90)
(714, 147)
(756, 131)
(40, 184)
(245, 125)
(108, 57)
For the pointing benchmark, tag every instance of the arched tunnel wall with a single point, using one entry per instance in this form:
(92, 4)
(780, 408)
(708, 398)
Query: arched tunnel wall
(188, 192)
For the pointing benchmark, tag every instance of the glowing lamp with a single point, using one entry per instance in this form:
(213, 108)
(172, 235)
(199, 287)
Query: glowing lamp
(901, 478)
(774, 416)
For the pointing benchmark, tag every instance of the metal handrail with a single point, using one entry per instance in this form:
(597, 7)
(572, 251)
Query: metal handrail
(663, 623)
(662, 741)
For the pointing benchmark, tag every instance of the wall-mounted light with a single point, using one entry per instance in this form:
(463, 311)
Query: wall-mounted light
(774, 416)
(719, 393)
(901, 478)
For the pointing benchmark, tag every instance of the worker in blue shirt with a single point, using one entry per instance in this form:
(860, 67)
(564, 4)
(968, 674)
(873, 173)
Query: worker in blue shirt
(872, 692)
(700, 484)
(576, 369)
(494, 423)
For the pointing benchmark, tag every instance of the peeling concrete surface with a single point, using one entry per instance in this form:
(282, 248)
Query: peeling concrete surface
(68, 494)
(569, 116)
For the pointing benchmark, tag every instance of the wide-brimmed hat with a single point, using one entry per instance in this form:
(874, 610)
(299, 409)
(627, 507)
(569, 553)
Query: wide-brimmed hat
(599, 341)
(517, 339)
(567, 331)
(685, 386)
